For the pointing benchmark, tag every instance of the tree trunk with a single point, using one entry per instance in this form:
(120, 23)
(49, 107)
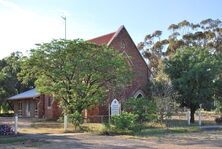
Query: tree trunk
(192, 112)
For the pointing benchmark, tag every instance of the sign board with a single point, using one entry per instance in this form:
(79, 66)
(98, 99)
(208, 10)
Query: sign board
(115, 107)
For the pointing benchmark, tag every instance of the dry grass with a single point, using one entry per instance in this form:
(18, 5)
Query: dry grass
(177, 122)
(31, 130)
(57, 128)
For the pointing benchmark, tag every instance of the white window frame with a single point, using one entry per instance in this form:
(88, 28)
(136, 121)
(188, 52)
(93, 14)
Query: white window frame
(139, 92)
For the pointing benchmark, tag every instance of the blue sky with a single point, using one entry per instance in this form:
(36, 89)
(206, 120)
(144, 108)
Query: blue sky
(26, 22)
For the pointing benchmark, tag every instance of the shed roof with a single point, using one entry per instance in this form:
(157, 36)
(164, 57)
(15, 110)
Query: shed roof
(27, 94)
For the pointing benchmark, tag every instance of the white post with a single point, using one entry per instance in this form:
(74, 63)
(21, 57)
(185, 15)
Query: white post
(109, 112)
(16, 124)
(65, 122)
(188, 117)
(199, 113)
(120, 108)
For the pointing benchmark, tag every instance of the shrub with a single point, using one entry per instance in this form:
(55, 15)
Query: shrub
(145, 109)
(218, 120)
(76, 119)
(125, 121)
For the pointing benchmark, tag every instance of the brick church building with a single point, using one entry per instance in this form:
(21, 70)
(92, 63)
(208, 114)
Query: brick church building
(33, 104)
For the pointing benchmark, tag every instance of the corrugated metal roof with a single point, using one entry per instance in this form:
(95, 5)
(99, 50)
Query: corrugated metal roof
(27, 94)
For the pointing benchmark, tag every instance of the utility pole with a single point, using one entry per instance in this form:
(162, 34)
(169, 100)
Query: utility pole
(64, 18)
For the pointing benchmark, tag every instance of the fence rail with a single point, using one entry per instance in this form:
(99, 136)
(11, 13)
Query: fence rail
(97, 119)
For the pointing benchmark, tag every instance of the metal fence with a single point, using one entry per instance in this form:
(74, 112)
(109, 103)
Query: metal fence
(180, 119)
(7, 120)
(97, 119)
(15, 122)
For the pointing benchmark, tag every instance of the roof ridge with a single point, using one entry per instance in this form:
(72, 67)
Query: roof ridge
(102, 36)
(106, 39)
(115, 35)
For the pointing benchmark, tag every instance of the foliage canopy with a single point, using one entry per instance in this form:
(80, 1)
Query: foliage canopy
(194, 73)
(77, 73)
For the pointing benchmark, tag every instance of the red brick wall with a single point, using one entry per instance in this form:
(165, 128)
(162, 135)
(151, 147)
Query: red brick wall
(139, 67)
(52, 112)
(41, 110)
(57, 111)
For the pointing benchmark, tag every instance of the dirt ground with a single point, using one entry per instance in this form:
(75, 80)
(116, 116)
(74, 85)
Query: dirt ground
(205, 140)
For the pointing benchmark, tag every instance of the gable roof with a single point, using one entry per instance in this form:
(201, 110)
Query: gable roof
(27, 94)
(104, 39)
(108, 38)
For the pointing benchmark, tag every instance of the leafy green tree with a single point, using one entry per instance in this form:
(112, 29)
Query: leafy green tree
(194, 73)
(9, 81)
(77, 73)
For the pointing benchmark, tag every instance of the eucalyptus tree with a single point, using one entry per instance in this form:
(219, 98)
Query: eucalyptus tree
(206, 34)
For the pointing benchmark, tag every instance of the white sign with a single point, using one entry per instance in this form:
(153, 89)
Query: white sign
(115, 107)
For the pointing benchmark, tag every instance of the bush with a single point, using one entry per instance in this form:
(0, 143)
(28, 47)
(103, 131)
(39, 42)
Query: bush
(125, 121)
(145, 109)
(76, 119)
(218, 120)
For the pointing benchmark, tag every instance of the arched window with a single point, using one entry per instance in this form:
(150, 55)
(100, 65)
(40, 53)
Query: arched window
(139, 94)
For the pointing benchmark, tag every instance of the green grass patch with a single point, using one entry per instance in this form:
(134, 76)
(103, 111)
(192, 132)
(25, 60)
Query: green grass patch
(166, 131)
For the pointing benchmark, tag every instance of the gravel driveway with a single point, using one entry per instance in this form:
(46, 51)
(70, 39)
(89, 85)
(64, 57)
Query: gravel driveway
(205, 140)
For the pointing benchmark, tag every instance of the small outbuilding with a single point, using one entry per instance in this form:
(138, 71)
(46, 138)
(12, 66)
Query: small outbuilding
(35, 105)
